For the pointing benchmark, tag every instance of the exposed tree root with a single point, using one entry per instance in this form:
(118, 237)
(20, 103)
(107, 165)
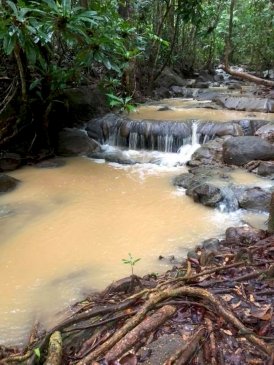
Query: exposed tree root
(55, 350)
(140, 331)
(171, 293)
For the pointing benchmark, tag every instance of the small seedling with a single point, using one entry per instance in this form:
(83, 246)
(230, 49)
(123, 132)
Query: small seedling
(131, 261)
(37, 352)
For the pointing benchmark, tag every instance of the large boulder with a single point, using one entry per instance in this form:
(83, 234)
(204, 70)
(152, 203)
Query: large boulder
(255, 199)
(7, 183)
(208, 153)
(241, 150)
(245, 103)
(73, 142)
(169, 78)
(85, 102)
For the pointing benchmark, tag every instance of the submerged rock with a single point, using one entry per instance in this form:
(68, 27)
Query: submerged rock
(73, 142)
(241, 150)
(7, 183)
(214, 186)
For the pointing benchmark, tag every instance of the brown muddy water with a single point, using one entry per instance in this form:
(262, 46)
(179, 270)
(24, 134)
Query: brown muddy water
(186, 109)
(66, 231)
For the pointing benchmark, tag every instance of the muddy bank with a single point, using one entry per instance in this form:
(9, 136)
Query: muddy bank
(214, 307)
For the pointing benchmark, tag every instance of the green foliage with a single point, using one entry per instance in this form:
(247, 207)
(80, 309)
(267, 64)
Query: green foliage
(37, 352)
(131, 261)
(123, 104)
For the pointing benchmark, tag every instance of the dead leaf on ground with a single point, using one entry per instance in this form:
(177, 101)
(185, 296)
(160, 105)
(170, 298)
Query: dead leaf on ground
(264, 312)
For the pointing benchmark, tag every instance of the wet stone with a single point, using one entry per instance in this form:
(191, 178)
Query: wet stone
(7, 183)
(159, 351)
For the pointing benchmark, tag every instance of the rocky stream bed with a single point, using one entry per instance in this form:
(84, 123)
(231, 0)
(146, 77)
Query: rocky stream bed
(215, 306)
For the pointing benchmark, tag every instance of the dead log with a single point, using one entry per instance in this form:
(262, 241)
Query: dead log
(140, 331)
(55, 349)
(247, 77)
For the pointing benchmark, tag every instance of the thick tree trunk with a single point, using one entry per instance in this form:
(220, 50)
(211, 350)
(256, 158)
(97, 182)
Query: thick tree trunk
(248, 77)
(271, 215)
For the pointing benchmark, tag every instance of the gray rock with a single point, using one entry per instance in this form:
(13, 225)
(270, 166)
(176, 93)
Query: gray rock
(169, 78)
(246, 235)
(223, 129)
(183, 180)
(255, 199)
(241, 150)
(266, 168)
(159, 351)
(161, 92)
(209, 153)
(10, 161)
(7, 183)
(211, 244)
(85, 102)
(207, 194)
(266, 132)
(245, 103)
(73, 142)
(202, 84)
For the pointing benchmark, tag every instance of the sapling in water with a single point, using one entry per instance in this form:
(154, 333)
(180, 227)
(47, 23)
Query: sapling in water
(131, 261)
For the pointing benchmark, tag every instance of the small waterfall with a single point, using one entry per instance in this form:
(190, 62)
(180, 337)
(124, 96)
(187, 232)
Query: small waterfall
(152, 135)
(229, 202)
(195, 137)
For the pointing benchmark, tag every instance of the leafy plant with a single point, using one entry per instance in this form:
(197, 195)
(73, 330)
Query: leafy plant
(123, 104)
(131, 261)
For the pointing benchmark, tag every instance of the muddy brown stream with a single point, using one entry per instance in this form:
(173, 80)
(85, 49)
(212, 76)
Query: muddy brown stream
(64, 232)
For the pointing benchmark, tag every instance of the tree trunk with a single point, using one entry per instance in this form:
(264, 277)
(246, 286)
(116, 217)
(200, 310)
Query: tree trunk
(248, 77)
(21, 73)
(228, 45)
(271, 215)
